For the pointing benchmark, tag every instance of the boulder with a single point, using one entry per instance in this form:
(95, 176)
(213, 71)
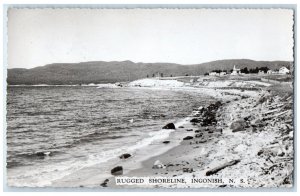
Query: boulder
(169, 126)
(188, 138)
(166, 142)
(238, 126)
(158, 165)
(117, 171)
(195, 120)
(125, 156)
(40, 154)
(189, 130)
(181, 127)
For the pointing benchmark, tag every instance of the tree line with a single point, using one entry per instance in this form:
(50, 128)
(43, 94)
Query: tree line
(244, 70)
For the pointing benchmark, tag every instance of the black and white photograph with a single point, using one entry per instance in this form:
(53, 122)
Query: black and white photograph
(150, 99)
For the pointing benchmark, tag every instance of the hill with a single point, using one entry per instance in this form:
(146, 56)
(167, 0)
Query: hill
(119, 71)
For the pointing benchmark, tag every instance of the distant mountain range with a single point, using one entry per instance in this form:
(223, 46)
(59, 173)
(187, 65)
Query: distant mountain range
(121, 71)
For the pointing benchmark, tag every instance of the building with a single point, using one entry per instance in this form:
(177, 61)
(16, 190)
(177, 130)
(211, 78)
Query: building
(260, 72)
(284, 70)
(235, 71)
(272, 72)
(213, 73)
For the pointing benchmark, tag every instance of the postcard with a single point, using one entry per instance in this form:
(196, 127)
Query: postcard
(150, 99)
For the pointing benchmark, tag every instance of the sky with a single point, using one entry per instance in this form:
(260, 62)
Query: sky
(37, 37)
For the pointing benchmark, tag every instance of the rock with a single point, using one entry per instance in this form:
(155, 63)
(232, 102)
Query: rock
(43, 154)
(189, 130)
(104, 184)
(40, 154)
(291, 134)
(197, 131)
(218, 104)
(257, 123)
(219, 130)
(195, 120)
(166, 142)
(210, 131)
(280, 153)
(181, 127)
(125, 156)
(169, 126)
(198, 135)
(117, 171)
(202, 141)
(188, 138)
(238, 126)
(158, 165)
(170, 165)
(247, 118)
(260, 152)
(187, 170)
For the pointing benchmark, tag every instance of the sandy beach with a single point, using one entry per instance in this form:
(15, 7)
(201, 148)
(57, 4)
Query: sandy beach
(243, 135)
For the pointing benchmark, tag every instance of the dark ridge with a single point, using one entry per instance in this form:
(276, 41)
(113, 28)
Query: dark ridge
(122, 71)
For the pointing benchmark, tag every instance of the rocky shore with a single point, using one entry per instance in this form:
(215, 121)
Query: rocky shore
(244, 137)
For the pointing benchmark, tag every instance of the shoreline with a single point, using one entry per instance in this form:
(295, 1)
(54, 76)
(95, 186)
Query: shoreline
(82, 177)
(193, 158)
(264, 150)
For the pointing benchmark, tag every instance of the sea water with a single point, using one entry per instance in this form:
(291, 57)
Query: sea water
(54, 131)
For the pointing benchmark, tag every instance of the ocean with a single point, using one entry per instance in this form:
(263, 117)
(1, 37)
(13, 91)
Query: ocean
(53, 131)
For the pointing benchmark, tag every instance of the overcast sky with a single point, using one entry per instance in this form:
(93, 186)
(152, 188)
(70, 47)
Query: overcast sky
(42, 36)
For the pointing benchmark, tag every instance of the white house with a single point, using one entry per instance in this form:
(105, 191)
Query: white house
(235, 71)
(213, 73)
(261, 72)
(272, 72)
(284, 70)
(223, 73)
(269, 71)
